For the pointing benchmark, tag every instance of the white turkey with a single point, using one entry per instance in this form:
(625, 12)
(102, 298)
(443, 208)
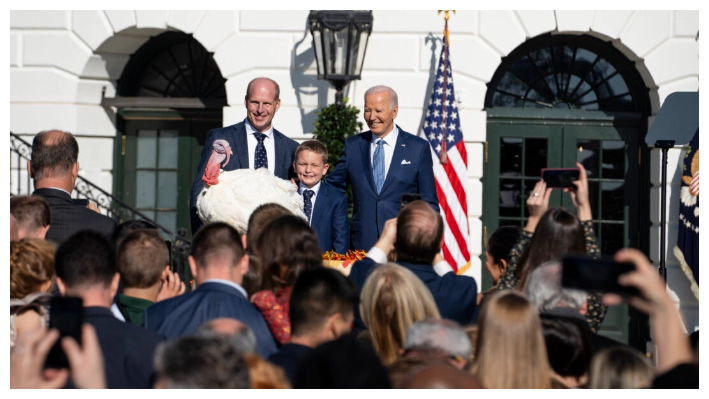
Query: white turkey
(231, 196)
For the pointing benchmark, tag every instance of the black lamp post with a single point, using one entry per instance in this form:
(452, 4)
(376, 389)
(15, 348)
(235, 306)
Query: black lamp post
(340, 41)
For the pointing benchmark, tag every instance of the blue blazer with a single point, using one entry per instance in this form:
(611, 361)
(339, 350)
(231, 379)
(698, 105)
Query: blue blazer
(183, 314)
(455, 296)
(127, 350)
(329, 219)
(410, 171)
(236, 136)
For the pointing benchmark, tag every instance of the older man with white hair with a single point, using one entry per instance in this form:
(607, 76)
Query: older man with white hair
(380, 165)
(439, 338)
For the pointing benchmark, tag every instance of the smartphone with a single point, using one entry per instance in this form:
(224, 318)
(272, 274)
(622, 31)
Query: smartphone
(560, 177)
(585, 273)
(66, 314)
(406, 198)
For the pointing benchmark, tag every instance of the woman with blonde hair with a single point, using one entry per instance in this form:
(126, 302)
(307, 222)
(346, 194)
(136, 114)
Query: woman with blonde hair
(393, 299)
(31, 279)
(510, 350)
(620, 368)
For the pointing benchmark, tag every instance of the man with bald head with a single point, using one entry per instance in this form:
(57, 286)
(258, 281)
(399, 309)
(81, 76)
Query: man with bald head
(254, 142)
(380, 165)
(415, 237)
(54, 168)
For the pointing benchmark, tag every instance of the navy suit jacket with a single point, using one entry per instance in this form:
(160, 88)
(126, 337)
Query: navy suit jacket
(455, 296)
(183, 314)
(127, 349)
(329, 219)
(69, 218)
(410, 171)
(236, 136)
(289, 358)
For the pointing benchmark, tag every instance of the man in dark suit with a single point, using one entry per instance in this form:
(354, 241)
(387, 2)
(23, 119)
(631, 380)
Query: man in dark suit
(54, 168)
(321, 306)
(381, 165)
(256, 143)
(218, 263)
(324, 206)
(415, 236)
(85, 267)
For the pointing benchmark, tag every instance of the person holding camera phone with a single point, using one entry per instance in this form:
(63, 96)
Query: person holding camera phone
(552, 233)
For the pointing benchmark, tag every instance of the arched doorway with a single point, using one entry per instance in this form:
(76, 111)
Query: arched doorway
(561, 99)
(170, 94)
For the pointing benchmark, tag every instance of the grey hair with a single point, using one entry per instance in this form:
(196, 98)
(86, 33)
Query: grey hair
(438, 335)
(545, 292)
(393, 97)
(201, 362)
(244, 338)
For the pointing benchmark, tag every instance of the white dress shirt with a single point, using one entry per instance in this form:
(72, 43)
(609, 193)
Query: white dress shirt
(116, 312)
(268, 142)
(388, 147)
(379, 256)
(229, 283)
(316, 188)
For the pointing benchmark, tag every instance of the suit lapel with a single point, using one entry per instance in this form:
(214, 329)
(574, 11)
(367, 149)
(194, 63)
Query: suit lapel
(366, 162)
(398, 157)
(319, 203)
(242, 148)
(280, 156)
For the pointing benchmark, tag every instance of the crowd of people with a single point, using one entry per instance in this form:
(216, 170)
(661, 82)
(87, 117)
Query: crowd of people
(263, 311)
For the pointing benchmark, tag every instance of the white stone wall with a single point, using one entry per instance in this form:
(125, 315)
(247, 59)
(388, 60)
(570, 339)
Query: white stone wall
(60, 61)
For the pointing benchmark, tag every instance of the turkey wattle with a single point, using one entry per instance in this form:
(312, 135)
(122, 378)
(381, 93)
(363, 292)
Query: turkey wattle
(232, 196)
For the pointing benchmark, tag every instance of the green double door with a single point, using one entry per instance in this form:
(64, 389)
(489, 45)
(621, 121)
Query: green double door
(158, 160)
(518, 147)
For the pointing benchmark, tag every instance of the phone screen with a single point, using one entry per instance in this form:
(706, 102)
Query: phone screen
(66, 314)
(588, 274)
(560, 178)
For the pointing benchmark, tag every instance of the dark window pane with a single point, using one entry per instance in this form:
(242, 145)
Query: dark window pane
(613, 87)
(147, 148)
(624, 103)
(552, 84)
(535, 157)
(525, 69)
(593, 198)
(506, 100)
(510, 198)
(612, 238)
(613, 201)
(511, 84)
(590, 106)
(584, 60)
(601, 70)
(588, 155)
(613, 159)
(542, 59)
(167, 220)
(510, 156)
(582, 89)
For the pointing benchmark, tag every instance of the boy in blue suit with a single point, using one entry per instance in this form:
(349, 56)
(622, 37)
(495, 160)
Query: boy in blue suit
(325, 207)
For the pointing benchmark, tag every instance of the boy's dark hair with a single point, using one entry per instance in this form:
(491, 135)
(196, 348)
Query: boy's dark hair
(502, 241)
(129, 226)
(142, 257)
(314, 146)
(31, 212)
(54, 153)
(318, 294)
(85, 259)
(216, 240)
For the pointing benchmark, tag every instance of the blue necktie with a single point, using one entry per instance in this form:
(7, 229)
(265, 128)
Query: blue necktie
(308, 208)
(260, 158)
(378, 167)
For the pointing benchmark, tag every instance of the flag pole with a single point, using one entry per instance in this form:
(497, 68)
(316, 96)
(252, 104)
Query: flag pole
(444, 118)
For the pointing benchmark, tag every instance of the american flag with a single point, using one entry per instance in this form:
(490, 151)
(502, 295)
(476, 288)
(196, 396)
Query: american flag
(441, 128)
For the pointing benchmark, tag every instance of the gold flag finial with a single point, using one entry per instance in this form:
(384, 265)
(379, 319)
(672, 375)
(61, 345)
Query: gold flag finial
(446, 16)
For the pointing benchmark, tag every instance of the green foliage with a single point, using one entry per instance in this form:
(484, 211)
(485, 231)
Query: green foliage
(334, 125)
